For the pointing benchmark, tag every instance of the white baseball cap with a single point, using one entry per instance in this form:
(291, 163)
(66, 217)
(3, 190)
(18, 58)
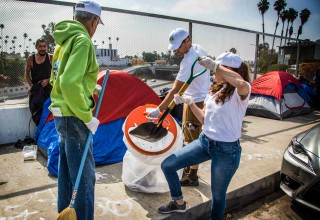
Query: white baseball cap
(229, 59)
(176, 37)
(91, 7)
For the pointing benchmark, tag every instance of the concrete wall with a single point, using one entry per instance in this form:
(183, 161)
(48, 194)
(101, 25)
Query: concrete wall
(14, 92)
(14, 124)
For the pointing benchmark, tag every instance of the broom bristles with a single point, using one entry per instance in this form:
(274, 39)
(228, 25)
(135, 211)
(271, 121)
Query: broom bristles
(67, 214)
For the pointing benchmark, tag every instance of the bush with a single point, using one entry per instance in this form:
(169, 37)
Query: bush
(308, 70)
(12, 69)
(280, 67)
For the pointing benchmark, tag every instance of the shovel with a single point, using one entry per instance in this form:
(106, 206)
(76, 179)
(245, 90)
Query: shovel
(152, 132)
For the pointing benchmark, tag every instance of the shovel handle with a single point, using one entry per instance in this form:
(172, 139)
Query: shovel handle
(172, 104)
(181, 91)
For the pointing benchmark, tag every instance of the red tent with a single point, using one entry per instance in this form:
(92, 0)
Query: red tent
(277, 95)
(124, 92)
(273, 83)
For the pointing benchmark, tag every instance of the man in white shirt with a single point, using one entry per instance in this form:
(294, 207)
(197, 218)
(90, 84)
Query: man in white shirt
(180, 44)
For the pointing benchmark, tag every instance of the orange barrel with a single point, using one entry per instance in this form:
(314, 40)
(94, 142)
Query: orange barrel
(141, 163)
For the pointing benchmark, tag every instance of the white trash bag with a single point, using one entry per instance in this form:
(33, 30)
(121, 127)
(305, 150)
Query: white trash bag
(142, 173)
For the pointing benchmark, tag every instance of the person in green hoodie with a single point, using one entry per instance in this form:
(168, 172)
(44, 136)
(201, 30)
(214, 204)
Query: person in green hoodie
(74, 77)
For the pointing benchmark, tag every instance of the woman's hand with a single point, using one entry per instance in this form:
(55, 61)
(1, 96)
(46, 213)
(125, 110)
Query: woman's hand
(182, 99)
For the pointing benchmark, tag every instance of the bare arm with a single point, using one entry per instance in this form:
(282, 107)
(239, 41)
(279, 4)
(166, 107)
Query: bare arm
(235, 80)
(28, 70)
(198, 112)
(169, 97)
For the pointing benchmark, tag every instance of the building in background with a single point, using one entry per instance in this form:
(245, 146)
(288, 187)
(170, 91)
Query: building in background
(110, 57)
(309, 52)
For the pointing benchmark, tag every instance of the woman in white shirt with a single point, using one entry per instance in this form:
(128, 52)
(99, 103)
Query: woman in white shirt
(221, 119)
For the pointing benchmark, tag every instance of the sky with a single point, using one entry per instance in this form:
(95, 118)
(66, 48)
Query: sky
(236, 13)
(137, 33)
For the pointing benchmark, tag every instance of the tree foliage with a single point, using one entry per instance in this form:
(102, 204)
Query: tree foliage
(263, 6)
(278, 6)
(48, 36)
(304, 17)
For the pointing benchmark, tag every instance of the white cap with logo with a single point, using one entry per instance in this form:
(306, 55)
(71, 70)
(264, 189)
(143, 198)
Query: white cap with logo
(91, 7)
(229, 59)
(176, 37)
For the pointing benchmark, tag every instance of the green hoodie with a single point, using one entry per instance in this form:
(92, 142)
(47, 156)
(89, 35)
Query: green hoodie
(74, 71)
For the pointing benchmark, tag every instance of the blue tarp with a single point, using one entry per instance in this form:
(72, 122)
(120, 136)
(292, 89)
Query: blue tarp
(108, 146)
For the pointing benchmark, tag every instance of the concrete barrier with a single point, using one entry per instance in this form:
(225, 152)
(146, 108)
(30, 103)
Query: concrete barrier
(15, 124)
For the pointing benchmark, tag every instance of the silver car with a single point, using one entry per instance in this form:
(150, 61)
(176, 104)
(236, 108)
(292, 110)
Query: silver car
(300, 169)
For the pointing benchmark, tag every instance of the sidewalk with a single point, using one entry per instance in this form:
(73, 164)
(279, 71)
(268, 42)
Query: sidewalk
(28, 192)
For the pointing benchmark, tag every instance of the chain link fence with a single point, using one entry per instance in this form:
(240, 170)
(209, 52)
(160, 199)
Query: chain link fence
(128, 38)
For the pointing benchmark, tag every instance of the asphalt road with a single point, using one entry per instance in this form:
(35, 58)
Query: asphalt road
(275, 206)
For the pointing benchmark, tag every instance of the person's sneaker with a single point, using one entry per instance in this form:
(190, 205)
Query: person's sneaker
(172, 206)
(187, 181)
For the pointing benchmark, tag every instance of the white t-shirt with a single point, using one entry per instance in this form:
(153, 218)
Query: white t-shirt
(198, 89)
(224, 122)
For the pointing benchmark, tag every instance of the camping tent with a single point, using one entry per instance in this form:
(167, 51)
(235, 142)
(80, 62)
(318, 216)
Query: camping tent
(123, 93)
(278, 95)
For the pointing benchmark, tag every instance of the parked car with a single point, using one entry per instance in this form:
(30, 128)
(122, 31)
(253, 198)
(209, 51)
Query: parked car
(300, 169)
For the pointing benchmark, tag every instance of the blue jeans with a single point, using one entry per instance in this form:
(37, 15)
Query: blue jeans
(73, 134)
(225, 159)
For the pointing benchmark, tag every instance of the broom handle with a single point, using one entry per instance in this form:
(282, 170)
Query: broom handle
(84, 156)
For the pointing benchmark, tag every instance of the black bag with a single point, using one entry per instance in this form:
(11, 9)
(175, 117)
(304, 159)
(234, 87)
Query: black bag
(37, 98)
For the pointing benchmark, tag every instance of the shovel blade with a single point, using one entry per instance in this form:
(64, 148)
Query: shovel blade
(149, 131)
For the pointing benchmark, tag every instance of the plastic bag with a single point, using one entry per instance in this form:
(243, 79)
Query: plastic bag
(143, 173)
(30, 152)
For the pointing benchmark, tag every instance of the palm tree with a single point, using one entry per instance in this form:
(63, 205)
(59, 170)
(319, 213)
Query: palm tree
(25, 35)
(117, 42)
(304, 17)
(1, 28)
(233, 50)
(292, 15)
(5, 43)
(13, 42)
(263, 6)
(278, 6)
(29, 44)
(284, 18)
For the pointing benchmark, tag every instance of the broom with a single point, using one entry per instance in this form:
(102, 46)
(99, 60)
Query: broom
(69, 213)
